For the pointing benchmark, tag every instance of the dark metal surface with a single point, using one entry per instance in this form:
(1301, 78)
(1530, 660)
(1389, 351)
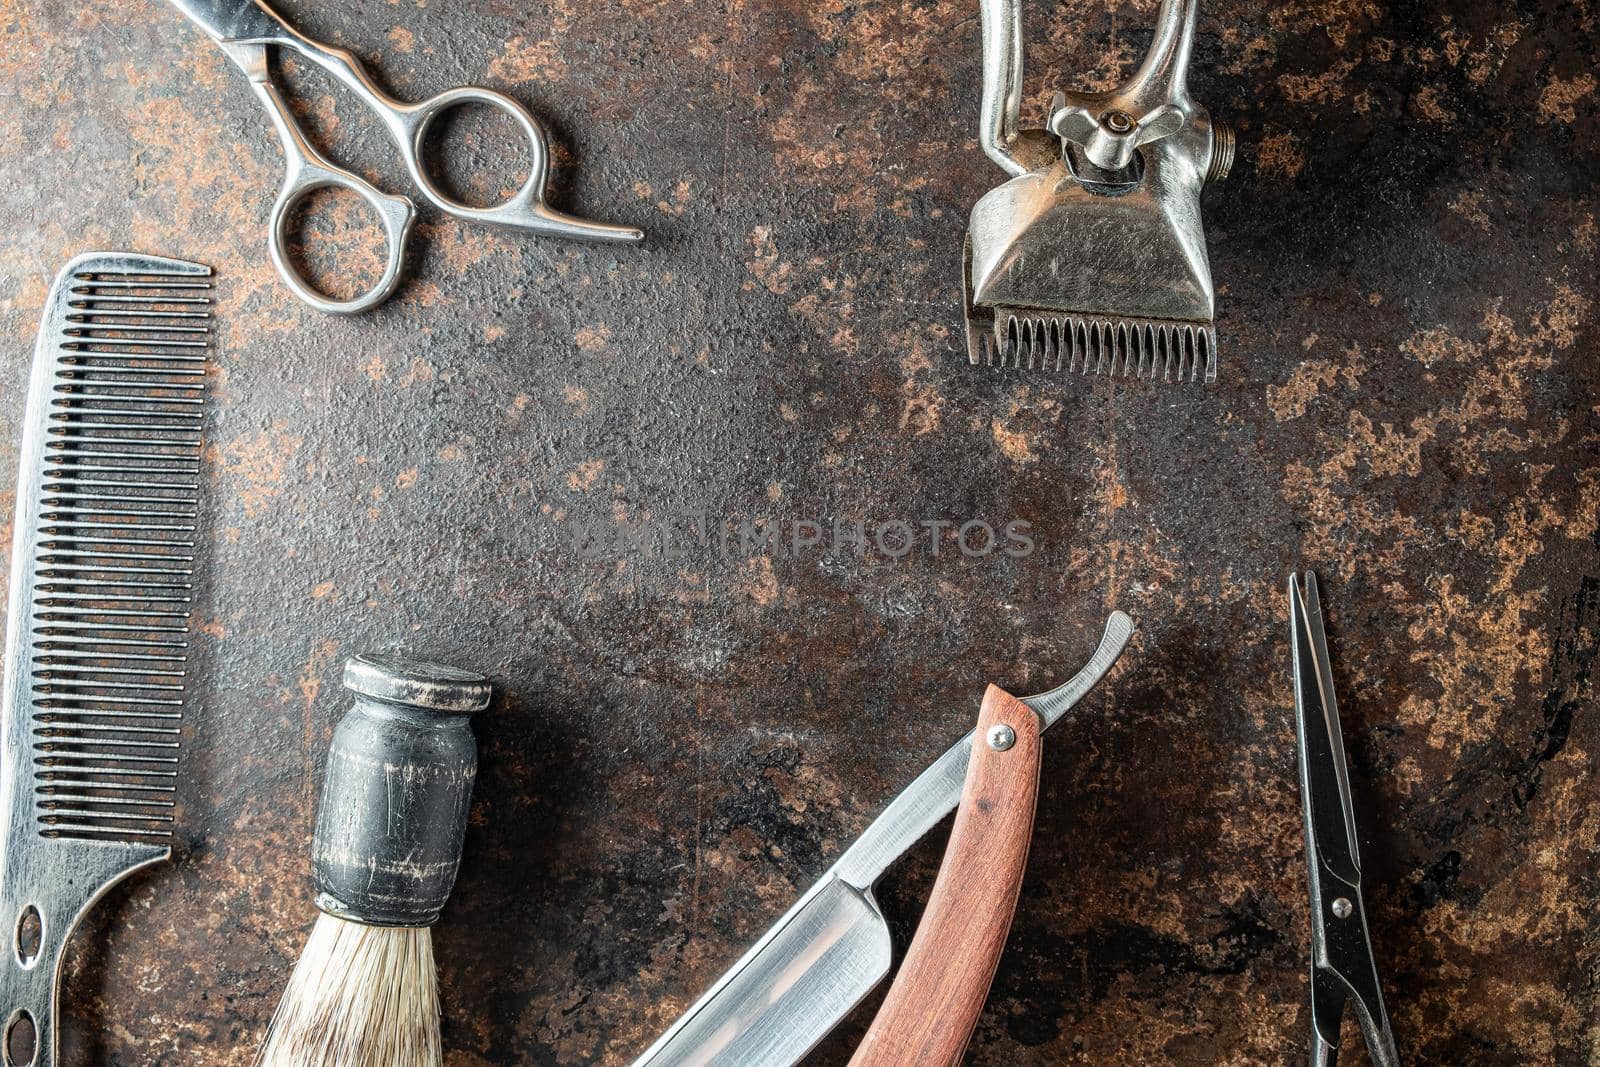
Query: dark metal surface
(1405, 257)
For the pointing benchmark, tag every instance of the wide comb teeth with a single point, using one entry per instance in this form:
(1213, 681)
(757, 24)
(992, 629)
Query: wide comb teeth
(1150, 349)
(114, 556)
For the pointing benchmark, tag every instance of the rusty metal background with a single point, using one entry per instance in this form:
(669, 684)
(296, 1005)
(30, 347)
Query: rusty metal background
(1406, 255)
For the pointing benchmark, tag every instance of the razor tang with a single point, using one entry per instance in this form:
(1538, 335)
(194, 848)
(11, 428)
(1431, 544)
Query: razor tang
(816, 963)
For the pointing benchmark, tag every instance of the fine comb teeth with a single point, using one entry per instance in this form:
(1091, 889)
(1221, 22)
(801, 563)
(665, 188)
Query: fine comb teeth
(1146, 349)
(116, 486)
(103, 551)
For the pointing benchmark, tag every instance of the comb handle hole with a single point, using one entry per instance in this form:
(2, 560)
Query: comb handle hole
(22, 1040)
(30, 935)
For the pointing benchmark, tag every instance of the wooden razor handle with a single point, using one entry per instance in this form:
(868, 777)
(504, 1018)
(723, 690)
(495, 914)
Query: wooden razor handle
(933, 1006)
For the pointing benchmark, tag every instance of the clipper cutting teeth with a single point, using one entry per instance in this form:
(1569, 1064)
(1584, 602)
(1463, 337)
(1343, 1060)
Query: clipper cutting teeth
(1149, 349)
(113, 553)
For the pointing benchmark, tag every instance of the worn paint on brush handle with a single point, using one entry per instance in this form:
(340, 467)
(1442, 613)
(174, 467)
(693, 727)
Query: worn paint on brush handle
(396, 792)
(933, 1006)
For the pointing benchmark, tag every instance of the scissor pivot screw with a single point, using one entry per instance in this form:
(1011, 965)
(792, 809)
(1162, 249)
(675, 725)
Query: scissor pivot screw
(1342, 908)
(1001, 737)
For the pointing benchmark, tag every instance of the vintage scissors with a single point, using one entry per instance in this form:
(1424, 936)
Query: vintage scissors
(245, 29)
(1343, 969)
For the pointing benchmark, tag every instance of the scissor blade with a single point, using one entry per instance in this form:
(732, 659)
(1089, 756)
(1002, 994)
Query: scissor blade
(789, 990)
(233, 20)
(1328, 998)
(1331, 991)
(1324, 774)
(1344, 969)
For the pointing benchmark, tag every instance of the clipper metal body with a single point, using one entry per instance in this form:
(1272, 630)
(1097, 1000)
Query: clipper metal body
(1092, 258)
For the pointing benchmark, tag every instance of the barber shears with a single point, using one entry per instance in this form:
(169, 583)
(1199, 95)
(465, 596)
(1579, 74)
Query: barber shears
(246, 29)
(1343, 968)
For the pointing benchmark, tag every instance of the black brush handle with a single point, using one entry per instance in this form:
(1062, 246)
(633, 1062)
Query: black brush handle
(396, 792)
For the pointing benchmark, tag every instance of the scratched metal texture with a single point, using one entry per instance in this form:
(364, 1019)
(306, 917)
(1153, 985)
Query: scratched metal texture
(1406, 261)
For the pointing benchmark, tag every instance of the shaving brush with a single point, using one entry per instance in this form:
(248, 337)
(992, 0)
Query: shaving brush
(393, 816)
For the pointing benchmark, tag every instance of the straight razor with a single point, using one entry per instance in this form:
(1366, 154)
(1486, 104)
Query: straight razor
(832, 947)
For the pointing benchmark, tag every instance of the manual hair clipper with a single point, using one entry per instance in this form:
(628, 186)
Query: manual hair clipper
(1092, 259)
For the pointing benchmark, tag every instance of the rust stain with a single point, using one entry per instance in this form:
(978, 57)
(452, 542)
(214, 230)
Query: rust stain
(1015, 444)
(525, 59)
(577, 399)
(256, 466)
(1407, 404)
(592, 338)
(1280, 153)
(585, 475)
(1431, 106)
(1559, 99)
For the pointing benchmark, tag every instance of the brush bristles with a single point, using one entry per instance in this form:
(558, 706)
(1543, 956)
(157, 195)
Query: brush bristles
(361, 996)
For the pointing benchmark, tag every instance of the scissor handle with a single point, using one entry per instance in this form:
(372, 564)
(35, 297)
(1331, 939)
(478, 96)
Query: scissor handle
(305, 172)
(409, 124)
(396, 213)
(526, 209)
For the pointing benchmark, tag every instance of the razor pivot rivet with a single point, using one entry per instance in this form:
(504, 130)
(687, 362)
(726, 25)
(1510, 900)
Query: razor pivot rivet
(1342, 908)
(1002, 737)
